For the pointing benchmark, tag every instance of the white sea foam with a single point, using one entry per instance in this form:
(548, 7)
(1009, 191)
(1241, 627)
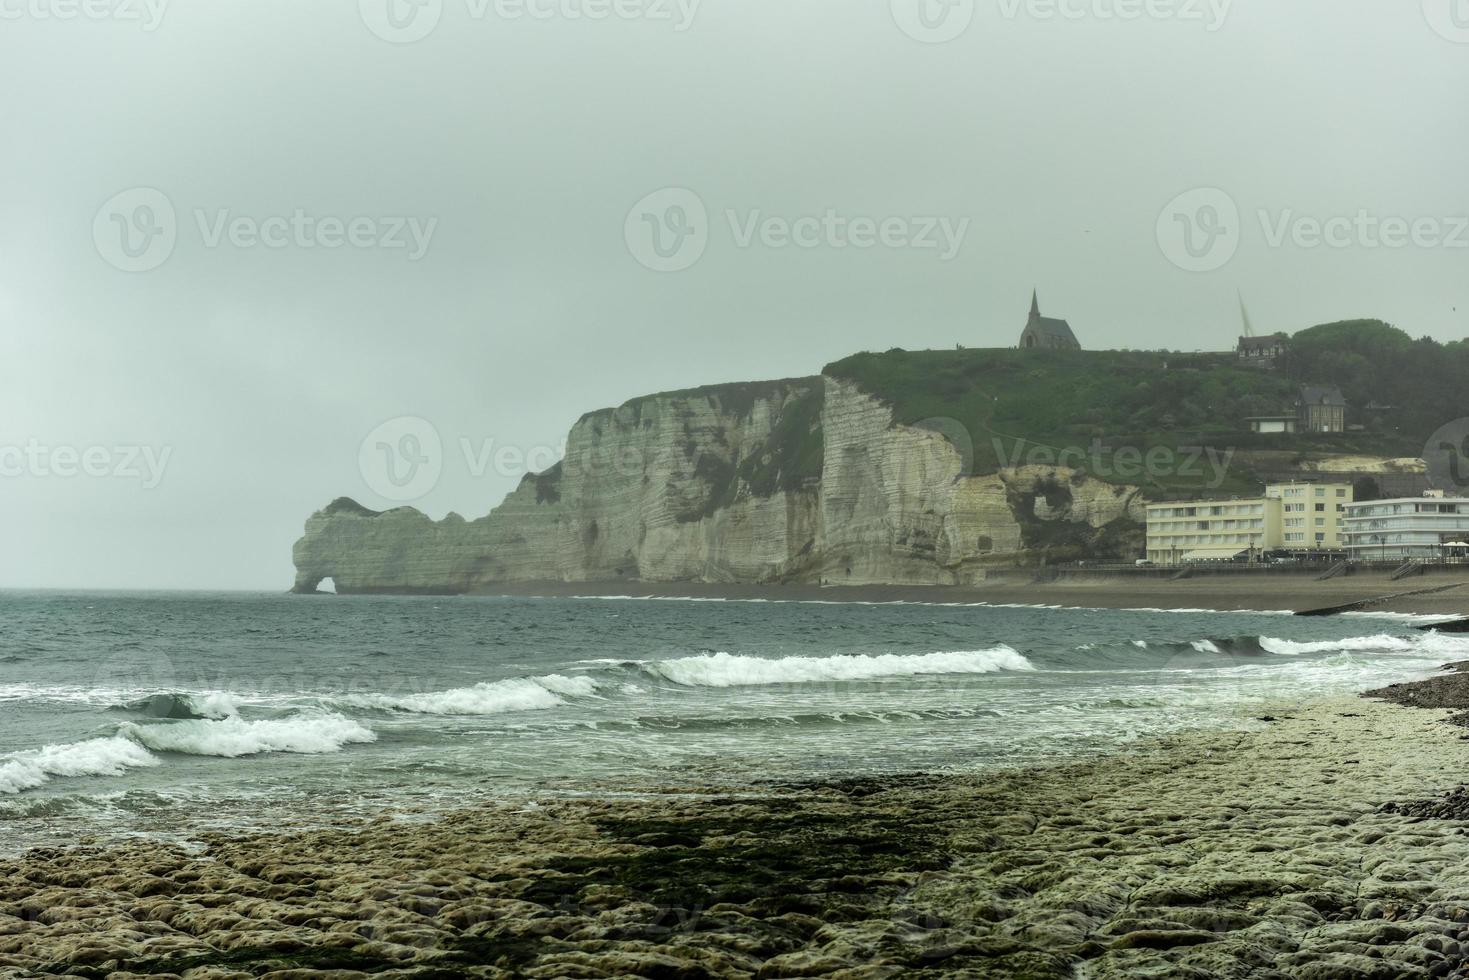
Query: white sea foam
(95, 757)
(217, 705)
(232, 737)
(1428, 645)
(489, 698)
(730, 670)
(1205, 646)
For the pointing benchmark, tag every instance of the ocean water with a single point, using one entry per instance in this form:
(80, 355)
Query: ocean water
(173, 714)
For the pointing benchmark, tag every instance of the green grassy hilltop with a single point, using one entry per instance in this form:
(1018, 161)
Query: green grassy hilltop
(1113, 411)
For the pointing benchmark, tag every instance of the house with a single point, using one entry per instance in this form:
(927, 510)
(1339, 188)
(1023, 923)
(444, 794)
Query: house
(1046, 333)
(1263, 352)
(1321, 408)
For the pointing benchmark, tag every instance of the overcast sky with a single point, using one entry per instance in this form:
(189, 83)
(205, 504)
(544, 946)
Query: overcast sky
(167, 317)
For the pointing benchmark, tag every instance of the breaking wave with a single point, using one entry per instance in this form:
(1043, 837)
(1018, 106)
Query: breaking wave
(489, 698)
(731, 670)
(233, 737)
(21, 771)
(214, 706)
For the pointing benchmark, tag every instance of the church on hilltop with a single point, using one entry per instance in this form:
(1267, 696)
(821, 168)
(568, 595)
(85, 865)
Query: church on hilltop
(1046, 333)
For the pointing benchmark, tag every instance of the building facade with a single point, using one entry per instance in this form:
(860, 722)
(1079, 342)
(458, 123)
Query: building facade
(1263, 352)
(1408, 527)
(1268, 424)
(1305, 517)
(1321, 409)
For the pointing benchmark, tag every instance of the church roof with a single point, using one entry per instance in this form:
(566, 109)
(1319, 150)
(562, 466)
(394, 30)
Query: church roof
(1052, 327)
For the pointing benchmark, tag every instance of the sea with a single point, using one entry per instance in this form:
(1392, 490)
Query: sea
(173, 715)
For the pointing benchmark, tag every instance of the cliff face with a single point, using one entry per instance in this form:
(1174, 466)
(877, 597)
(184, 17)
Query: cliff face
(806, 480)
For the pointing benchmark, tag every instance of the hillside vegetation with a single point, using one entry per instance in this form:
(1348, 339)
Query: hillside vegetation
(1111, 408)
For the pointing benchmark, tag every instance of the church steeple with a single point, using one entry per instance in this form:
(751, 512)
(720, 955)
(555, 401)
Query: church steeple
(1035, 305)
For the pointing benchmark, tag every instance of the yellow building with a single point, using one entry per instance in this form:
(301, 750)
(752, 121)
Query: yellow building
(1290, 517)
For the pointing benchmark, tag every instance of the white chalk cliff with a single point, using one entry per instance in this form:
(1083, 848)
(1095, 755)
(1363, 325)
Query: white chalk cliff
(806, 481)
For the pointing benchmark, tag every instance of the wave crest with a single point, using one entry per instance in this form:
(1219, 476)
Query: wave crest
(215, 705)
(113, 756)
(731, 670)
(233, 737)
(488, 698)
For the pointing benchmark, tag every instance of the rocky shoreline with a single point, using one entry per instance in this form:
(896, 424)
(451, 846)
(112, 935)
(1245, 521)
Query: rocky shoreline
(1320, 841)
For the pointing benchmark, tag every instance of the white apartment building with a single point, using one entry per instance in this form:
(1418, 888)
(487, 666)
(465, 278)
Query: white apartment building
(1408, 527)
(1289, 517)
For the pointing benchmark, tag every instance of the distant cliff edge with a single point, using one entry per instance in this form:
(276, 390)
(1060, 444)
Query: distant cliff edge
(805, 480)
(902, 468)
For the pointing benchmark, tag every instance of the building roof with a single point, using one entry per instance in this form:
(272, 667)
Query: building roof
(1274, 340)
(1409, 500)
(1323, 395)
(1052, 327)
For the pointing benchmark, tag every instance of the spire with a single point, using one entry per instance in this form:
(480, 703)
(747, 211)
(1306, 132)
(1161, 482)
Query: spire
(1244, 315)
(1035, 305)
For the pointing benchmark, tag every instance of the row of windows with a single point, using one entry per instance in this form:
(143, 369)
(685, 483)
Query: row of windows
(1195, 539)
(1390, 510)
(1155, 513)
(1341, 492)
(1189, 527)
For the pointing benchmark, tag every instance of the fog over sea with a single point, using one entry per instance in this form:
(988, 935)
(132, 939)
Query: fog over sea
(170, 714)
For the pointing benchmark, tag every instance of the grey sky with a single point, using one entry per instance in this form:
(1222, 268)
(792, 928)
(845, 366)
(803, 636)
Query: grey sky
(260, 370)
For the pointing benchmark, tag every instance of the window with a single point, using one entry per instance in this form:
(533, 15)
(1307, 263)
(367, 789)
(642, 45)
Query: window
(1320, 491)
(1320, 508)
(1341, 492)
